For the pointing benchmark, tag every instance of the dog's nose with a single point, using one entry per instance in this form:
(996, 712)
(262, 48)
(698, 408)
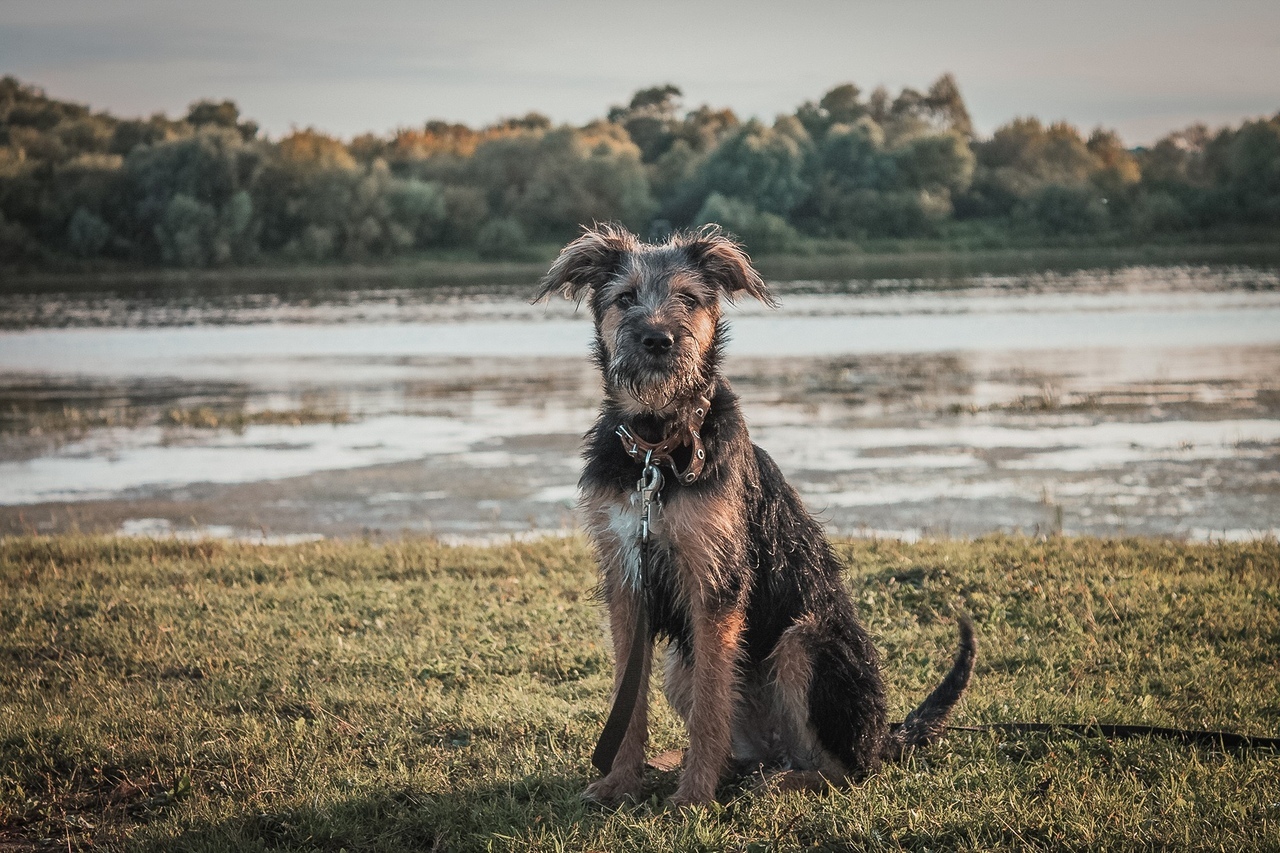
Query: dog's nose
(656, 341)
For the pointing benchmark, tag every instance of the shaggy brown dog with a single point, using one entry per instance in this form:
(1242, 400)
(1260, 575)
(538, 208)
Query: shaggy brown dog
(765, 658)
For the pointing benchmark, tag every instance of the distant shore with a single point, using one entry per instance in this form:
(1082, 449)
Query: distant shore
(901, 260)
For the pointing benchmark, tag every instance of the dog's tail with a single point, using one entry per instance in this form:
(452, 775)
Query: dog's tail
(926, 723)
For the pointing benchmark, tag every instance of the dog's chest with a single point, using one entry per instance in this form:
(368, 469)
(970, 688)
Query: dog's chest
(659, 584)
(625, 526)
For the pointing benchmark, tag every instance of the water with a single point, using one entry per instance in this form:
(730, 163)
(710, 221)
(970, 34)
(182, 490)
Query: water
(1139, 402)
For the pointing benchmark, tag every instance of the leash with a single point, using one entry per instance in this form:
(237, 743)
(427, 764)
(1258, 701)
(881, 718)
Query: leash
(670, 760)
(624, 703)
(684, 431)
(1226, 740)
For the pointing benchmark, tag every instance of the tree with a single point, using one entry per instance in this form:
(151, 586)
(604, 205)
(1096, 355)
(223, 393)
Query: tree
(585, 176)
(650, 119)
(309, 150)
(1060, 209)
(761, 232)
(1251, 168)
(419, 208)
(941, 164)
(501, 239)
(945, 104)
(761, 165)
(87, 233)
(551, 182)
(704, 128)
(1021, 159)
(1177, 159)
(465, 211)
(205, 189)
(220, 114)
(189, 201)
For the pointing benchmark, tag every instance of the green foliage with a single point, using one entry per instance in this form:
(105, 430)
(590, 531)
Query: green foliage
(1252, 169)
(761, 165)
(190, 201)
(937, 163)
(1156, 211)
(206, 190)
(650, 120)
(15, 243)
(465, 212)
(763, 232)
(554, 181)
(417, 207)
(1058, 209)
(87, 233)
(501, 239)
(185, 231)
(174, 695)
(851, 157)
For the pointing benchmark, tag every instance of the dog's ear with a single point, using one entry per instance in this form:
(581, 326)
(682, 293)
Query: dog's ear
(726, 265)
(587, 262)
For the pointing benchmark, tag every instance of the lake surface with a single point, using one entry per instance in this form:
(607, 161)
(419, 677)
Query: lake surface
(1141, 401)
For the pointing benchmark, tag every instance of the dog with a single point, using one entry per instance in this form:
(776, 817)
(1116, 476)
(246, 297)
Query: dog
(765, 659)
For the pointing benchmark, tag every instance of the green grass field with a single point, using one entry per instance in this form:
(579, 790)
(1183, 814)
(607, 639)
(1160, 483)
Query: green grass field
(168, 695)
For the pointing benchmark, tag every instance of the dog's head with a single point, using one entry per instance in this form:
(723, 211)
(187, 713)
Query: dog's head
(656, 307)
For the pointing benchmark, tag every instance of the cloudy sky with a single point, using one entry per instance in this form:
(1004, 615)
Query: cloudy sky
(1141, 67)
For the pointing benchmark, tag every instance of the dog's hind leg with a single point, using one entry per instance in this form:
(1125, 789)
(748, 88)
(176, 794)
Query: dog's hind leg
(791, 666)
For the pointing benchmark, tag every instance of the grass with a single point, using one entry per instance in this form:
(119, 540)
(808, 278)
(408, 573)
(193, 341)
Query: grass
(170, 695)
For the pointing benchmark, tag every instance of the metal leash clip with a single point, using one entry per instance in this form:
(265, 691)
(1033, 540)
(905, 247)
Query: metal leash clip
(649, 485)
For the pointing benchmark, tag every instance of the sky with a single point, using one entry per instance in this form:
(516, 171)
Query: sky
(1140, 67)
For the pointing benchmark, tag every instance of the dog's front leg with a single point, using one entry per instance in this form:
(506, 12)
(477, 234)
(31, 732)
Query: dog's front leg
(625, 778)
(716, 637)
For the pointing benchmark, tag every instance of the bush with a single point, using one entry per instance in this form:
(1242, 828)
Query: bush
(501, 239)
(870, 213)
(1059, 209)
(87, 233)
(418, 208)
(761, 164)
(760, 232)
(1153, 212)
(185, 231)
(15, 243)
(465, 212)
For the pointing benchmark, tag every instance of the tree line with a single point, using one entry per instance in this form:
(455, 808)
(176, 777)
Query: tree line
(209, 189)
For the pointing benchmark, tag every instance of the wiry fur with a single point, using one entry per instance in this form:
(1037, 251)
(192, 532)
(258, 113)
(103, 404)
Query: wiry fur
(766, 662)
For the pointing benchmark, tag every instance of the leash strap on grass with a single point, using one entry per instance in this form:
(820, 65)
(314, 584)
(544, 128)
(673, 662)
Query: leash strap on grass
(1226, 740)
(624, 704)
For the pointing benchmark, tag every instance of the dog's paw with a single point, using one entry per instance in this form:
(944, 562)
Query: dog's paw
(614, 788)
(683, 799)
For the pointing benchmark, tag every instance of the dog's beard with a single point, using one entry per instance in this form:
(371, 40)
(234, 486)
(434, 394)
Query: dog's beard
(655, 388)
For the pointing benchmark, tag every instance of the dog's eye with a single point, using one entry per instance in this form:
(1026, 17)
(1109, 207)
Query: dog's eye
(688, 299)
(626, 299)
